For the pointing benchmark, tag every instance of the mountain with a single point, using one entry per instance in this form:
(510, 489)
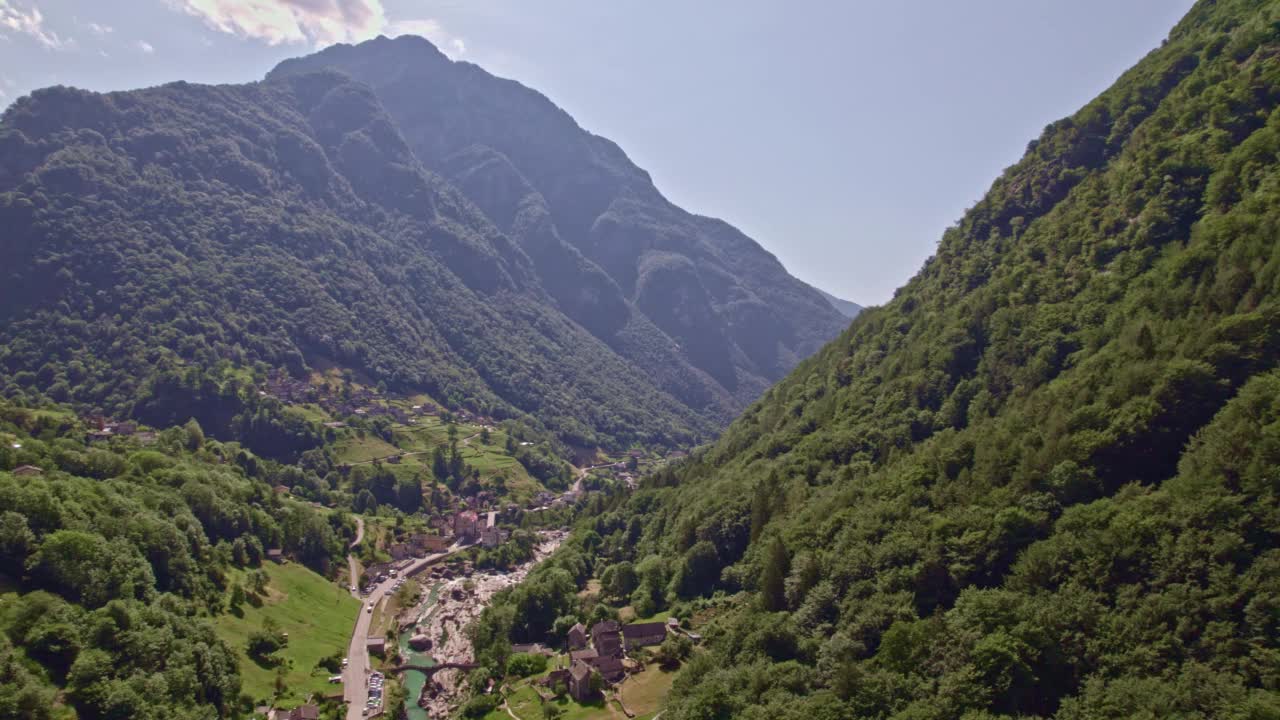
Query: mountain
(1042, 480)
(844, 307)
(690, 300)
(449, 233)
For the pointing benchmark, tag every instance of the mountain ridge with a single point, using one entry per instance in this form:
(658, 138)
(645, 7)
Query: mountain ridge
(593, 199)
(450, 279)
(848, 308)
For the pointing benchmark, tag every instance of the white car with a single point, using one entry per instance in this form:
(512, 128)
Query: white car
(369, 608)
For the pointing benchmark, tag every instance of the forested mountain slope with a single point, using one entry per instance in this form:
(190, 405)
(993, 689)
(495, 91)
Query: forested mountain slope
(114, 557)
(289, 222)
(696, 304)
(1044, 480)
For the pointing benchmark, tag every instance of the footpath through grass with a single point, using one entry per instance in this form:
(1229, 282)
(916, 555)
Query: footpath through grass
(317, 615)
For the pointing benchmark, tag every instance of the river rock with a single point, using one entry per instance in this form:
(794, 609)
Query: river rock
(420, 642)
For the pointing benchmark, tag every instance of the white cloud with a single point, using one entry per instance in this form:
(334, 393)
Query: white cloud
(30, 22)
(100, 30)
(145, 47)
(315, 22)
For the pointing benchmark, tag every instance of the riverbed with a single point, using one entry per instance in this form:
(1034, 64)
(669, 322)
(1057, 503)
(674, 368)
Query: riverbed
(443, 615)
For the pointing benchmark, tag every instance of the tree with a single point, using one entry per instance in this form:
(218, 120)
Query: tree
(263, 644)
(237, 595)
(773, 579)
(365, 502)
(526, 664)
(195, 435)
(673, 650)
(701, 569)
(619, 579)
(16, 541)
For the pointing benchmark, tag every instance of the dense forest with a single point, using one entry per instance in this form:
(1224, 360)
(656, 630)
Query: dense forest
(1042, 480)
(155, 236)
(121, 550)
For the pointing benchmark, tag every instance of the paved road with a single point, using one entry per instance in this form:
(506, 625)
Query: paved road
(355, 677)
(582, 474)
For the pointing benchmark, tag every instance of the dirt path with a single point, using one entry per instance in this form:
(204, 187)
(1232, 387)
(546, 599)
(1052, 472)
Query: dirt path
(353, 565)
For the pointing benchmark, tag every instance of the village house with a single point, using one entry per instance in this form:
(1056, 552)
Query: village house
(430, 544)
(281, 490)
(609, 667)
(577, 637)
(585, 655)
(275, 555)
(466, 526)
(402, 551)
(557, 677)
(580, 681)
(492, 535)
(27, 470)
(639, 635)
(376, 646)
(606, 637)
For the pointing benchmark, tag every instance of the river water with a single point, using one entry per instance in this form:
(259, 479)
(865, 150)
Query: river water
(415, 681)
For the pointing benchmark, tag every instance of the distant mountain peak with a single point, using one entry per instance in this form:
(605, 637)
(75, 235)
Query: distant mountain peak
(844, 307)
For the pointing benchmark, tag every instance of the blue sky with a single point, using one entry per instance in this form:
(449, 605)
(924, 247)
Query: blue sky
(844, 136)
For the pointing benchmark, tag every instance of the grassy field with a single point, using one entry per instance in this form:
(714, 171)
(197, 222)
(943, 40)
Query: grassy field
(318, 617)
(643, 693)
(417, 441)
(312, 412)
(627, 614)
(353, 449)
(525, 704)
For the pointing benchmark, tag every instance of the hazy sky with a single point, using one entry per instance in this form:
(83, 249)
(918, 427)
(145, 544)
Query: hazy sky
(843, 135)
